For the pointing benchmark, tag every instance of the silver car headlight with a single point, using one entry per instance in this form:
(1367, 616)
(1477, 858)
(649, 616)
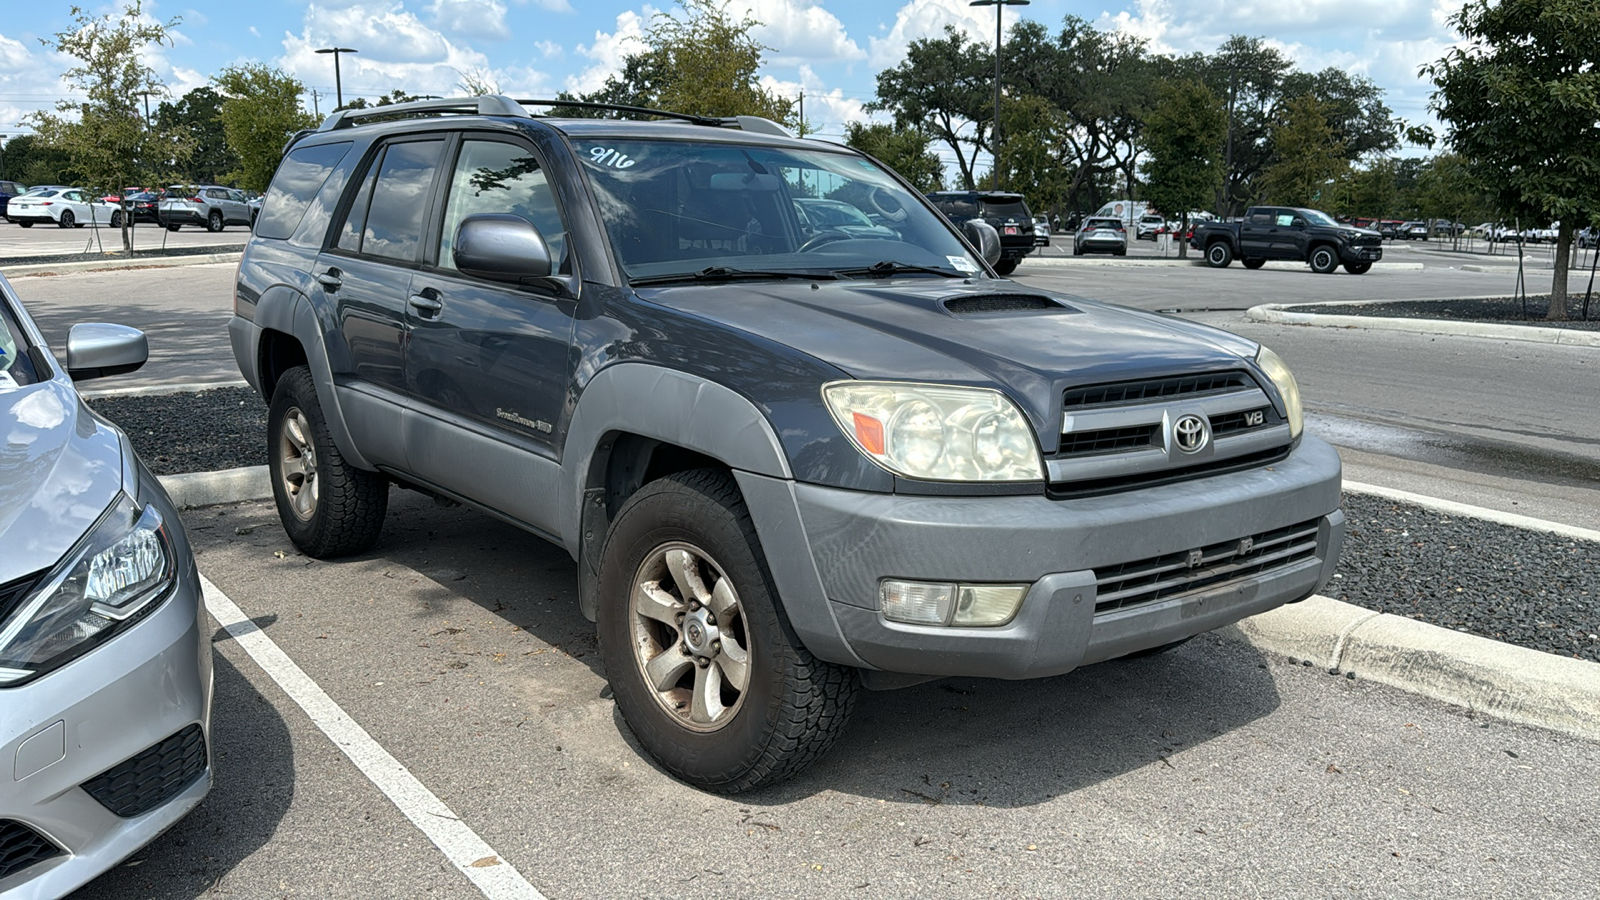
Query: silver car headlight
(1277, 370)
(122, 565)
(937, 432)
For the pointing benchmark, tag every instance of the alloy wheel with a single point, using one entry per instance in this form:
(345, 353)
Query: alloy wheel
(689, 636)
(297, 464)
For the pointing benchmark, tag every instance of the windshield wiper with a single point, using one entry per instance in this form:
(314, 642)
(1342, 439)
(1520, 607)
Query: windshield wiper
(890, 267)
(727, 273)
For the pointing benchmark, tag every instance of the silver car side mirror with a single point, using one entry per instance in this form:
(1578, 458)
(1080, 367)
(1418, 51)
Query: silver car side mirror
(500, 247)
(99, 349)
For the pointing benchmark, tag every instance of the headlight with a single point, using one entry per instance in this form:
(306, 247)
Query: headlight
(1283, 379)
(122, 566)
(935, 432)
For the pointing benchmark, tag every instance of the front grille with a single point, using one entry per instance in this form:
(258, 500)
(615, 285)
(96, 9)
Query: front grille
(1243, 420)
(12, 593)
(1156, 389)
(156, 775)
(1094, 487)
(1107, 440)
(21, 847)
(1171, 575)
(998, 303)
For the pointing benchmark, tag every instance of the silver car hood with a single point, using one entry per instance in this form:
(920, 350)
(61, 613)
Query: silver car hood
(60, 468)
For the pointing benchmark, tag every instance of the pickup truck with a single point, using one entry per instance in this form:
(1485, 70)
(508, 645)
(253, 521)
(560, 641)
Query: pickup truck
(789, 461)
(1280, 232)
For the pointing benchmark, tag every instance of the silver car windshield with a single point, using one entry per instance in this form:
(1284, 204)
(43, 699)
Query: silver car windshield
(691, 208)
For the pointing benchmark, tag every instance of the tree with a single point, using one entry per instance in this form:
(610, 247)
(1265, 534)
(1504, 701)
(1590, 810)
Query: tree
(1182, 136)
(704, 63)
(904, 150)
(1520, 99)
(198, 116)
(945, 87)
(1445, 190)
(104, 133)
(260, 112)
(32, 161)
(1308, 156)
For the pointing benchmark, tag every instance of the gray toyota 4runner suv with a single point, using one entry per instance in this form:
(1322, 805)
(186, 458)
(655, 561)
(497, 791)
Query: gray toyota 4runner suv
(789, 462)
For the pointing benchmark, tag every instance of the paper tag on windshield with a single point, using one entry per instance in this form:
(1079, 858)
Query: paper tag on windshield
(962, 264)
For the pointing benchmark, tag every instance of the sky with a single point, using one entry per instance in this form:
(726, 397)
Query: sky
(829, 49)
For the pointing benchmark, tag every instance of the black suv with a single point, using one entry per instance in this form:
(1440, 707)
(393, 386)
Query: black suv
(788, 461)
(1007, 213)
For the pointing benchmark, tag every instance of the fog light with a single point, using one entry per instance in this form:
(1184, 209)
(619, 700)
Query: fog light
(987, 604)
(917, 602)
(935, 603)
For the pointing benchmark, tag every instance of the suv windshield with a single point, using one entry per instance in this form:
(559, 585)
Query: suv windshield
(1317, 218)
(682, 208)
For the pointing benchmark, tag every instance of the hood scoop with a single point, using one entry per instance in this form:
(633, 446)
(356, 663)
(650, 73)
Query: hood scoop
(980, 304)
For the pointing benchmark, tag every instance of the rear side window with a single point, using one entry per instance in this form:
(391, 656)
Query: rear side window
(299, 177)
(954, 208)
(1012, 208)
(389, 212)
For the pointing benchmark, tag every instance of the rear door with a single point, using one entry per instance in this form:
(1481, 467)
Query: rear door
(1256, 234)
(489, 362)
(366, 275)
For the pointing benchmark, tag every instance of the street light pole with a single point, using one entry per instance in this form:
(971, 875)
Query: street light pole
(338, 85)
(997, 4)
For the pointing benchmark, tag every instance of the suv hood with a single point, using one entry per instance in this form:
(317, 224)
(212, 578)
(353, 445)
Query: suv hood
(900, 329)
(60, 467)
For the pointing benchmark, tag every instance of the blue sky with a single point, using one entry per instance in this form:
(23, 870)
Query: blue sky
(832, 49)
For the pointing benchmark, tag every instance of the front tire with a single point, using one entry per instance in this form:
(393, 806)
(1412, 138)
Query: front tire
(67, 219)
(1218, 255)
(214, 221)
(174, 227)
(26, 224)
(1359, 268)
(328, 507)
(116, 219)
(1253, 264)
(1323, 260)
(704, 665)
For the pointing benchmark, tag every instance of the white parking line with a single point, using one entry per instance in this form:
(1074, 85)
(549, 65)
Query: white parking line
(1476, 512)
(495, 877)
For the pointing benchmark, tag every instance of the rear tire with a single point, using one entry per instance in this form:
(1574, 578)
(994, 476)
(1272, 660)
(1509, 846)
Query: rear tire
(116, 219)
(1253, 264)
(67, 220)
(1357, 268)
(26, 224)
(174, 226)
(1218, 255)
(704, 665)
(214, 221)
(328, 507)
(1006, 266)
(1323, 260)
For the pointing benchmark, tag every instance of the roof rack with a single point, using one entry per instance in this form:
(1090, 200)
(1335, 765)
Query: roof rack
(486, 105)
(753, 124)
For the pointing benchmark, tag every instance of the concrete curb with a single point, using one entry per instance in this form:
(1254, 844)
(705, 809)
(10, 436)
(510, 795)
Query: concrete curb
(1280, 313)
(213, 488)
(158, 390)
(1502, 680)
(122, 262)
(1189, 262)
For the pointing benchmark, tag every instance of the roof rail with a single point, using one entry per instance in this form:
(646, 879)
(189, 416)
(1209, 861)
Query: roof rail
(486, 105)
(753, 124)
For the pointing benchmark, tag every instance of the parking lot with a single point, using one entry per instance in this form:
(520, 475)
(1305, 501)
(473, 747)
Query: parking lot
(43, 240)
(456, 648)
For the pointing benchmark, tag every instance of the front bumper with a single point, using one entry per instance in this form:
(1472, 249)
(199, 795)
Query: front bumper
(1358, 253)
(837, 546)
(109, 706)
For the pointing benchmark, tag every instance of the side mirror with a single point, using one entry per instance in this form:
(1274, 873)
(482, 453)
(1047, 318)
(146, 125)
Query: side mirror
(985, 238)
(1299, 222)
(95, 350)
(500, 247)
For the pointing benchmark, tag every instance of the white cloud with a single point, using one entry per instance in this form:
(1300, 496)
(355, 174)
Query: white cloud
(928, 19)
(610, 50)
(482, 19)
(827, 110)
(550, 49)
(799, 32)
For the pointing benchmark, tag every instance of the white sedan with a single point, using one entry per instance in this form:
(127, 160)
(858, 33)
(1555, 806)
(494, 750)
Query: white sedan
(66, 207)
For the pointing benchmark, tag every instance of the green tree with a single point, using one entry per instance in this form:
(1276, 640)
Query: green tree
(1182, 136)
(1029, 155)
(1520, 98)
(1445, 190)
(260, 111)
(945, 87)
(904, 150)
(702, 62)
(32, 161)
(1307, 154)
(104, 133)
(1371, 190)
(198, 116)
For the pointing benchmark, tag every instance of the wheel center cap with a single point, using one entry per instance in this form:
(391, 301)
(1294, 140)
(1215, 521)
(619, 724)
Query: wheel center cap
(699, 630)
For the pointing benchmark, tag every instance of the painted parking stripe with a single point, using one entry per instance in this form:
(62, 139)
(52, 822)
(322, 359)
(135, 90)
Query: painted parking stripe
(495, 877)
(1477, 512)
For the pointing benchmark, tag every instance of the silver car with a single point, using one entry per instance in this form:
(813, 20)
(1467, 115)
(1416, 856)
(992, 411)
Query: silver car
(207, 205)
(105, 651)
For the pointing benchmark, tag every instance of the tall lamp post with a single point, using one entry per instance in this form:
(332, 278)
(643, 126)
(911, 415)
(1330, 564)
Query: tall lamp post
(997, 4)
(338, 86)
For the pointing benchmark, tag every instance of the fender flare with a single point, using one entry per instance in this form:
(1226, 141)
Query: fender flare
(286, 310)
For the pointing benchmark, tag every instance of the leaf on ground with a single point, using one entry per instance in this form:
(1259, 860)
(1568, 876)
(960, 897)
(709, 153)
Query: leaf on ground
(486, 862)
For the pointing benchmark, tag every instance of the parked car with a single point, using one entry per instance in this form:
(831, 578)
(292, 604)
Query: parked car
(1588, 238)
(1413, 231)
(207, 205)
(1446, 228)
(145, 206)
(1041, 231)
(819, 217)
(1149, 226)
(1100, 235)
(9, 189)
(783, 467)
(65, 207)
(1389, 229)
(1008, 213)
(105, 649)
(1281, 232)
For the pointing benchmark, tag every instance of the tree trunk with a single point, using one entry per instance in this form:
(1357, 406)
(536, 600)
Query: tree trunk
(127, 228)
(1183, 241)
(1558, 282)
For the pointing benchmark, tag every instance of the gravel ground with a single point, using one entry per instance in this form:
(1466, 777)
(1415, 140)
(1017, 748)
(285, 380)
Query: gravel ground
(1498, 310)
(1523, 587)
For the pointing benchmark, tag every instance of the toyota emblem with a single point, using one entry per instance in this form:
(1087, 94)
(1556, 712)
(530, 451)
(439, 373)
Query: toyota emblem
(1190, 433)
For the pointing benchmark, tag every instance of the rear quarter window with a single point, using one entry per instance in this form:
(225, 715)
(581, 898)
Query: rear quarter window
(300, 176)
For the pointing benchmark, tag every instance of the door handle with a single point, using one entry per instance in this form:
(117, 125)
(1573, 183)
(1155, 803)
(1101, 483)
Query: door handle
(426, 302)
(330, 279)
